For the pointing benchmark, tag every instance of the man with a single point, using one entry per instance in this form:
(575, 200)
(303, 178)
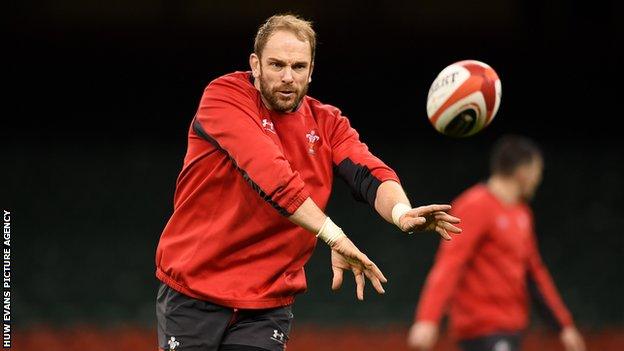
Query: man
(485, 276)
(250, 197)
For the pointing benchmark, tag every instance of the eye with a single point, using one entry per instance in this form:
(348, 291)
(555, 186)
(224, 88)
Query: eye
(276, 64)
(299, 67)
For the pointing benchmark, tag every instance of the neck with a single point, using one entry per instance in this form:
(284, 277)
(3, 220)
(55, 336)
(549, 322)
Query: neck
(505, 189)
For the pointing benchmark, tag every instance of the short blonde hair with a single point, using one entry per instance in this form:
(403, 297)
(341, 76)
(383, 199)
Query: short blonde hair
(301, 28)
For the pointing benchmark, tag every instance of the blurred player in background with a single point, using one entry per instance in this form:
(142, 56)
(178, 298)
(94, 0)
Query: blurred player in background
(256, 177)
(485, 275)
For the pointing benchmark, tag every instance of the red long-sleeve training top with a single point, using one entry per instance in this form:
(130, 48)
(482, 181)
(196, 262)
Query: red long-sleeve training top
(486, 273)
(246, 169)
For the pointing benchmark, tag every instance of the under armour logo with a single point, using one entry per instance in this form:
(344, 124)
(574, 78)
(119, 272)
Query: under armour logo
(277, 336)
(173, 343)
(312, 139)
(502, 345)
(268, 125)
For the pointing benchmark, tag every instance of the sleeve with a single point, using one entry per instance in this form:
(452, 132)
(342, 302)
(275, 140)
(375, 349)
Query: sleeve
(543, 290)
(450, 262)
(227, 118)
(355, 164)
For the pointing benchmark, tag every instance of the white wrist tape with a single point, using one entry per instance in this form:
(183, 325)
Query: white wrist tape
(399, 210)
(330, 232)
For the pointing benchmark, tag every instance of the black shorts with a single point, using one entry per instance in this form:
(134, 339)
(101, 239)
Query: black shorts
(493, 342)
(188, 324)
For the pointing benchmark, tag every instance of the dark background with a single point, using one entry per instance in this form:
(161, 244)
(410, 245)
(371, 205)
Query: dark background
(98, 99)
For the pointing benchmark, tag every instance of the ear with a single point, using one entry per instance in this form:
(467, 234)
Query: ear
(254, 63)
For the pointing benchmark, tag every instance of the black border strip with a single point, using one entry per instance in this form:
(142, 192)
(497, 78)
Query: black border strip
(360, 179)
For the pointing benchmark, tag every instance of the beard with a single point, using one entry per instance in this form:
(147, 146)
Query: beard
(276, 101)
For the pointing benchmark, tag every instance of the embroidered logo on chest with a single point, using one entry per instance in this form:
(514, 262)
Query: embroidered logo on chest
(268, 126)
(312, 138)
(502, 222)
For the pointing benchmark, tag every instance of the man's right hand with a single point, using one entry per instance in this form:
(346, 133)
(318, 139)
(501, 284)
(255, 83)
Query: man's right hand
(422, 336)
(346, 256)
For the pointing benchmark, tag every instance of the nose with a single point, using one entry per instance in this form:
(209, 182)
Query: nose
(287, 75)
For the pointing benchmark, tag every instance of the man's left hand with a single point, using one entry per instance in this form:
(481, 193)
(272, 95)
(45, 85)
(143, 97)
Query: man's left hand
(431, 217)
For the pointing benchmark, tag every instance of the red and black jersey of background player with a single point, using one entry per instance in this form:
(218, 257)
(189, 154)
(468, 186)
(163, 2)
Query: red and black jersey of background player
(484, 276)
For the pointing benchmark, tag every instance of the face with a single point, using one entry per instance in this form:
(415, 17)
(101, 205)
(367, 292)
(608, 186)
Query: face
(283, 71)
(529, 177)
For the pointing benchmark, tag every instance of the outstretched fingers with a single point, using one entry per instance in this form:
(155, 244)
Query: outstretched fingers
(443, 233)
(431, 209)
(368, 265)
(337, 278)
(449, 227)
(375, 281)
(443, 216)
(346, 256)
(374, 274)
(360, 282)
(365, 268)
(444, 224)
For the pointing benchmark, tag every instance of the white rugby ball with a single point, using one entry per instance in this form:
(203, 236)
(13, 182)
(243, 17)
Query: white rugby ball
(464, 98)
